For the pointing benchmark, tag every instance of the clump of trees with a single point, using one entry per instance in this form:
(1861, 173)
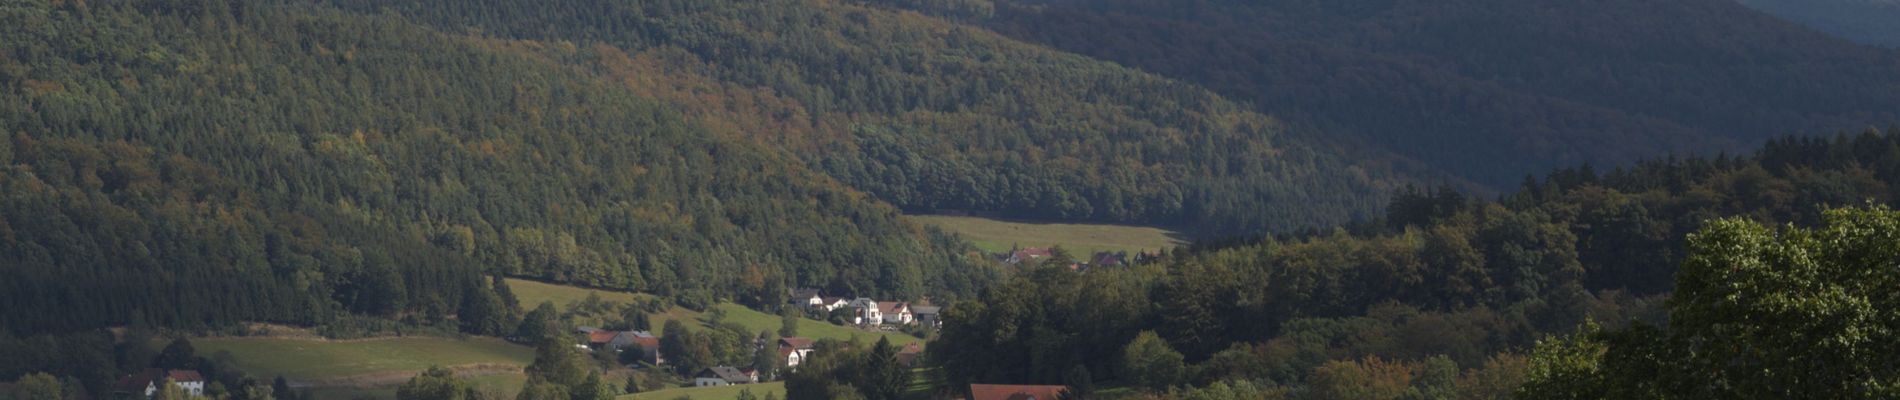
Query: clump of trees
(1448, 293)
(849, 370)
(1759, 312)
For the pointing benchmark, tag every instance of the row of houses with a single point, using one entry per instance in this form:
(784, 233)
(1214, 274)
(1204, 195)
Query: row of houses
(794, 350)
(1105, 259)
(623, 341)
(871, 313)
(146, 383)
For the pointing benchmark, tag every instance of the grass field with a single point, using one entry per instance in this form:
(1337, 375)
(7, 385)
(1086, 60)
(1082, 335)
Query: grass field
(373, 368)
(994, 236)
(533, 293)
(301, 359)
(711, 393)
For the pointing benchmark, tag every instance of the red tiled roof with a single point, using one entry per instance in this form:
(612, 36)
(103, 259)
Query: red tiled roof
(601, 336)
(136, 383)
(891, 307)
(1033, 252)
(646, 342)
(795, 342)
(185, 375)
(1016, 392)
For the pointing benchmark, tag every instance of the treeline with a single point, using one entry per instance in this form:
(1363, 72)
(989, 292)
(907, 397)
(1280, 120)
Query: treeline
(931, 115)
(1447, 295)
(1492, 89)
(199, 163)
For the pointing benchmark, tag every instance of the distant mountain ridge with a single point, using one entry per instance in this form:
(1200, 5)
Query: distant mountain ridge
(1493, 90)
(1875, 22)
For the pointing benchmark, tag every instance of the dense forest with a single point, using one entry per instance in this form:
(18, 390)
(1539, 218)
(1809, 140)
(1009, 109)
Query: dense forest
(930, 115)
(1865, 21)
(1491, 89)
(1451, 294)
(194, 163)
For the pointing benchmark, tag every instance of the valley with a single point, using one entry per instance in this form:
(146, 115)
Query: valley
(948, 199)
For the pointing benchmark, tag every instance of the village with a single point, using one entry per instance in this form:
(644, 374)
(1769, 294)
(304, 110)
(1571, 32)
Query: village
(644, 349)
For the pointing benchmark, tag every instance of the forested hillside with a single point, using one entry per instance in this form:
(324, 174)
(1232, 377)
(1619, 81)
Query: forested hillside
(1875, 22)
(194, 163)
(930, 115)
(1491, 89)
(1449, 293)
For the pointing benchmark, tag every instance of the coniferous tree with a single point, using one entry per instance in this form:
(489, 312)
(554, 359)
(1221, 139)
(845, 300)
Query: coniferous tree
(179, 354)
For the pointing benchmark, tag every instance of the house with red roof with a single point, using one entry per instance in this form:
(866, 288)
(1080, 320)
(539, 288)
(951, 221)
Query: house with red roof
(146, 383)
(794, 350)
(895, 312)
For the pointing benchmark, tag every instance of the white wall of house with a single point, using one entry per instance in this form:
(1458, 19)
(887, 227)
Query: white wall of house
(194, 388)
(704, 382)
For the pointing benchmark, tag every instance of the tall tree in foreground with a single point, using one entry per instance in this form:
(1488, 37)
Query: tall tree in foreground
(1148, 361)
(437, 383)
(1789, 313)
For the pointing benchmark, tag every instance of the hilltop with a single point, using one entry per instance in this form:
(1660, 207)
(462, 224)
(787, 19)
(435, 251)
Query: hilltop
(1492, 90)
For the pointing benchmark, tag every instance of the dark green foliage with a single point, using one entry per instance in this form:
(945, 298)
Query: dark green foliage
(177, 355)
(788, 322)
(593, 389)
(1470, 281)
(557, 361)
(201, 164)
(1493, 89)
(37, 386)
(280, 389)
(766, 359)
(1150, 363)
(930, 115)
(840, 370)
(540, 324)
(1759, 312)
(482, 313)
(685, 352)
(1081, 384)
(436, 383)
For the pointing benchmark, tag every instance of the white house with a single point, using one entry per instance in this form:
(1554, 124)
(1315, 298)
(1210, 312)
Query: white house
(722, 376)
(148, 382)
(895, 312)
(830, 304)
(868, 312)
(808, 298)
(795, 350)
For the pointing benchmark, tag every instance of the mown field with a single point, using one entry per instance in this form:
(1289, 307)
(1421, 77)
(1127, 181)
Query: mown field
(532, 293)
(345, 369)
(777, 389)
(993, 235)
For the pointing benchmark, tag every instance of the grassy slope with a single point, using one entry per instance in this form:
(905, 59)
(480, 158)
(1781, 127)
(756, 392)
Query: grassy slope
(502, 386)
(304, 359)
(532, 293)
(307, 359)
(711, 393)
(1080, 239)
